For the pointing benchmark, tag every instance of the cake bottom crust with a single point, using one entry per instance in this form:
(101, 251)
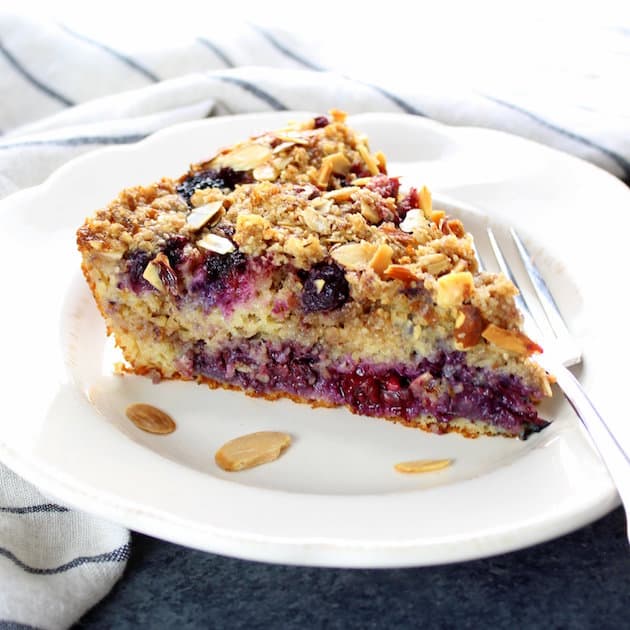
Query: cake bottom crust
(439, 394)
(471, 429)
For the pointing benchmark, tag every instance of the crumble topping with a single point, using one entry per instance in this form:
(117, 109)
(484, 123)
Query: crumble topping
(296, 225)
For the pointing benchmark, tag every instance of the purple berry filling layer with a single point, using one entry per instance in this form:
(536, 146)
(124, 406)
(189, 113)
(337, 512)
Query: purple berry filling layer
(444, 386)
(222, 281)
(227, 280)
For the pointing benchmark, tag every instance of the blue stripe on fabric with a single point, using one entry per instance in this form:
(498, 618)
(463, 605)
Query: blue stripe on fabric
(76, 141)
(34, 509)
(621, 161)
(286, 51)
(406, 107)
(402, 104)
(12, 625)
(272, 101)
(42, 87)
(216, 50)
(132, 63)
(121, 554)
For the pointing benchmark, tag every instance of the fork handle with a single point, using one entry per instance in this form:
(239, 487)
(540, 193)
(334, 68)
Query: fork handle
(611, 451)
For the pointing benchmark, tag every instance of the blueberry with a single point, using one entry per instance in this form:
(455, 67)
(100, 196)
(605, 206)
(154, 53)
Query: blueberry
(219, 266)
(219, 279)
(174, 249)
(226, 178)
(137, 261)
(529, 428)
(330, 295)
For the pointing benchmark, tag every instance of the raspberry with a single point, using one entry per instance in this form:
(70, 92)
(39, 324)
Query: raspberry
(321, 121)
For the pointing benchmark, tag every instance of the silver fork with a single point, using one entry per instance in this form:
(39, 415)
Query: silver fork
(561, 350)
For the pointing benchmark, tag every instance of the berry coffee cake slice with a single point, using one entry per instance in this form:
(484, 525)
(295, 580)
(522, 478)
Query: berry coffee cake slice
(293, 265)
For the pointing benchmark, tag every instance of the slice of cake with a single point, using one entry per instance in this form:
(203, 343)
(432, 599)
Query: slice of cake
(293, 265)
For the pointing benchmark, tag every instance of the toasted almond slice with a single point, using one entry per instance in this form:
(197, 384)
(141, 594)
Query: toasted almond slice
(246, 157)
(150, 419)
(252, 450)
(382, 161)
(382, 259)
(216, 243)
(469, 325)
(265, 173)
(323, 175)
(453, 226)
(369, 212)
(412, 221)
(316, 220)
(341, 194)
(511, 340)
(361, 181)
(354, 256)
(454, 288)
(321, 204)
(319, 284)
(152, 275)
(283, 146)
(203, 214)
(426, 202)
(423, 465)
(159, 274)
(339, 162)
(293, 138)
(368, 158)
(434, 263)
(399, 272)
(280, 163)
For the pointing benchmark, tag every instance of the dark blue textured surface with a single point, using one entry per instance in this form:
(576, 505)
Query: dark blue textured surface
(579, 581)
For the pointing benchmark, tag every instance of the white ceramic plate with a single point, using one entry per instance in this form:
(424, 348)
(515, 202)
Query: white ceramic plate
(334, 497)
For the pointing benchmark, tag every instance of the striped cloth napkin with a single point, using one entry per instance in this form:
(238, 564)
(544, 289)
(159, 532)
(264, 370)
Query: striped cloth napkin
(55, 563)
(65, 91)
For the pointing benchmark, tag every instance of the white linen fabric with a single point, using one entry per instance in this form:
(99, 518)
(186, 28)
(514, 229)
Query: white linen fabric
(55, 563)
(64, 92)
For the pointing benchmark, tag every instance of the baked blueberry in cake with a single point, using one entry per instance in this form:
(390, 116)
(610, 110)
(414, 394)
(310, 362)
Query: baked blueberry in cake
(293, 265)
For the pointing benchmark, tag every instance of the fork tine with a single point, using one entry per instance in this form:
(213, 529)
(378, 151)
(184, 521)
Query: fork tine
(505, 268)
(549, 305)
(480, 263)
(569, 350)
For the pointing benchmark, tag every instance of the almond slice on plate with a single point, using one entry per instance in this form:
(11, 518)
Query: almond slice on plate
(150, 418)
(252, 450)
(423, 465)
